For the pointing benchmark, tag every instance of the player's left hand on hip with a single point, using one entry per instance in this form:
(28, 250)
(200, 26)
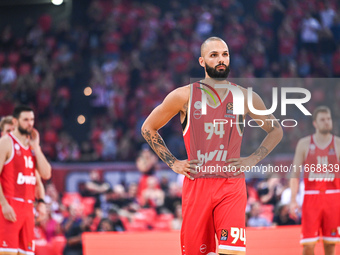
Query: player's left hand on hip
(239, 165)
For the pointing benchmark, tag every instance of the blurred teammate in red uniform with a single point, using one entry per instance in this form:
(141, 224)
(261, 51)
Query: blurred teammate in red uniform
(7, 126)
(318, 156)
(213, 201)
(20, 157)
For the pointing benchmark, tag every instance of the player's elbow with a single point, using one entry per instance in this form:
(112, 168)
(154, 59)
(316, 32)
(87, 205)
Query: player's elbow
(279, 133)
(146, 129)
(47, 173)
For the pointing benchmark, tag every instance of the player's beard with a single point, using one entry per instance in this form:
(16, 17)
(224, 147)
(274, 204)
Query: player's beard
(215, 74)
(325, 131)
(23, 131)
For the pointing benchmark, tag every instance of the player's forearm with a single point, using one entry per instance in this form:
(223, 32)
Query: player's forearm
(294, 187)
(43, 167)
(39, 189)
(156, 142)
(268, 144)
(3, 200)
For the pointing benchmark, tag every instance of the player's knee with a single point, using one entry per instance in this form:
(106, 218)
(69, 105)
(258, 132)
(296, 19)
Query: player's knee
(329, 248)
(308, 249)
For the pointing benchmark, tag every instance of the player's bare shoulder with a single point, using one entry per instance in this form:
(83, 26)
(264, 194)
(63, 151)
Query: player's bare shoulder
(304, 140)
(5, 148)
(5, 141)
(303, 143)
(182, 95)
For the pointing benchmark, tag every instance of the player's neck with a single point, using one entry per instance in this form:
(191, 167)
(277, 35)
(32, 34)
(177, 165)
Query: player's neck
(322, 139)
(213, 82)
(23, 139)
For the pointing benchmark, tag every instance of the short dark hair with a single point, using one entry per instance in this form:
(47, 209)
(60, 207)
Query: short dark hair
(319, 109)
(19, 109)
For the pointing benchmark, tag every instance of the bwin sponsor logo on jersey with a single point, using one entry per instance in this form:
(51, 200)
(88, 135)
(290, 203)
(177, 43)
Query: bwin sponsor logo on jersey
(217, 155)
(26, 179)
(318, 177)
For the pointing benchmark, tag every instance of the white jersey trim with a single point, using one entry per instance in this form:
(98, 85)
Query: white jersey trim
(232, 248)
(332, 191)
(309, 240)
(329, 191)
(21, 199)
(322, 148)
(331, 239)
(17, 140)
(15, 251)
(189, 111)
(12, 156)
(26, 252)
(222, 100)
(312, 192)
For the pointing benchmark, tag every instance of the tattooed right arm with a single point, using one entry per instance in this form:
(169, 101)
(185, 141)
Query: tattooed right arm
(171, 106)
(156, 142)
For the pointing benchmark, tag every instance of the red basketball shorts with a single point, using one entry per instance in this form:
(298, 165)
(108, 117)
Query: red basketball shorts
(321, 215)
(213, 206)
(17, 237)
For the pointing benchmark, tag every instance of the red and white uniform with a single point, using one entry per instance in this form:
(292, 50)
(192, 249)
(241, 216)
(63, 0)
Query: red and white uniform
(321, 206)
(214, 202)
(18, 184)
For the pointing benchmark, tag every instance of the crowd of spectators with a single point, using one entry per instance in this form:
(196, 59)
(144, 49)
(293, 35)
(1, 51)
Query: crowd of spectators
(137, 52)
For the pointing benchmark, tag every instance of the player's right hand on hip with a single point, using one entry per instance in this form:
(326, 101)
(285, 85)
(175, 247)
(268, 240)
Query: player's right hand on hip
(9, 213)
(186, 167)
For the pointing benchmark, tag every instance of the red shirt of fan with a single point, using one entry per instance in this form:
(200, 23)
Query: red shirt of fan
(321, 167)
(18, 174)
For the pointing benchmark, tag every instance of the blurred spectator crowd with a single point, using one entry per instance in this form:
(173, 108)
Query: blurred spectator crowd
(137, 52)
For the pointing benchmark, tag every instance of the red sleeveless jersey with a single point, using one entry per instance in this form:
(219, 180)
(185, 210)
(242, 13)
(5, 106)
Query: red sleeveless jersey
(321, 167)
(18, 174)
(213, 137)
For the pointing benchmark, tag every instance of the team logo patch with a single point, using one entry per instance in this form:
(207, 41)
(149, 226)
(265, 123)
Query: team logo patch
(331, 151)
(312, 148)
(230, 108)
(333, 232)
(197, 114)
(203, 248)
(198, 105)
(16, 147)
(224, 235)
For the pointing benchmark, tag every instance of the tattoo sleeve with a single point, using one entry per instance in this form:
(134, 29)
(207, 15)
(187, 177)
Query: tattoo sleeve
(272, 122)
(261, 152)
(157, 144)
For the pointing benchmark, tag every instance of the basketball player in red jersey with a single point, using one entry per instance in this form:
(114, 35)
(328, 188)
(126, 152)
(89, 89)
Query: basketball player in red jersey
(7, 126)
(319, 155)
(20, 156)
(213, 202)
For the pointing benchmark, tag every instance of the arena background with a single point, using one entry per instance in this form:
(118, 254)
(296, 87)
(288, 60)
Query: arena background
(94, 69)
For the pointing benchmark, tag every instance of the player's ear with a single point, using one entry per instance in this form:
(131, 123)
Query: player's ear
(201, 61)
(314, 124)
(15, 121)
